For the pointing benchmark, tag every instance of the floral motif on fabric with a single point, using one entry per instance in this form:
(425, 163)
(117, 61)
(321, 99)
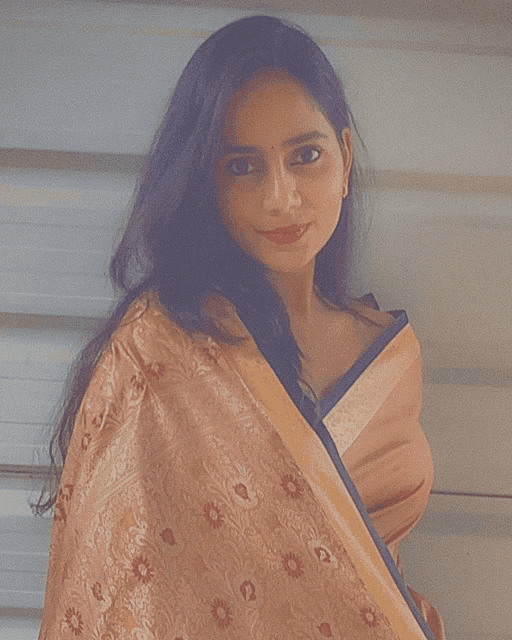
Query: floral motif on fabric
(324, 554)
(168, 537)
(213, 515)
(97, 420)
(293, 565)
(325, 629)
(212, 352)
(142, 570)
(60, 512)
(221, 613)
(242, 483)
(74, 621)
(86, 441)
(97, 591)
(291, 486)
(248, 591)
(66, 492)
(241, 491)
(154, 371)
(190, 515)
(369, 616)
(137, 382)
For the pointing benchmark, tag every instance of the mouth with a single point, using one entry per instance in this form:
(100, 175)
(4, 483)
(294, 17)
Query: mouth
(286, 235)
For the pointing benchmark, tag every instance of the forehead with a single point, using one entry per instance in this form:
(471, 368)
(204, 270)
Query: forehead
(272, 106)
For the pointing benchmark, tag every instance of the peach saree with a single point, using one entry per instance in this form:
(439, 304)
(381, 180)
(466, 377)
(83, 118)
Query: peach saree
(197, 503)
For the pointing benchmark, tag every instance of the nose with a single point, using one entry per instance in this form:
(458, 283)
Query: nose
(280, 191)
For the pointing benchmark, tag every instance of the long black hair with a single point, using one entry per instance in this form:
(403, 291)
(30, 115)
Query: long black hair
(175, 241)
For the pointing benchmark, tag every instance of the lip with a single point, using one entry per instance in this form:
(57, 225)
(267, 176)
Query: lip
(286, 235)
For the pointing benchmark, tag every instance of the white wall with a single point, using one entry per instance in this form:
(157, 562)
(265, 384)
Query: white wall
(433, 101)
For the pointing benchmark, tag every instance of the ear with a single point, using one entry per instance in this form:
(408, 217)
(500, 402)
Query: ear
(346, 153)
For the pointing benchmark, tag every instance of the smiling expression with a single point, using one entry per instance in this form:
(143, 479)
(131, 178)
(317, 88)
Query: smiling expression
(282, 174)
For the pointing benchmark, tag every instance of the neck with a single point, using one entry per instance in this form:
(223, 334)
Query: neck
(297, 293)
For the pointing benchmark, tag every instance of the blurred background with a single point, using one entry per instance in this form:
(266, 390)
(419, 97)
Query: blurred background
(83, 85)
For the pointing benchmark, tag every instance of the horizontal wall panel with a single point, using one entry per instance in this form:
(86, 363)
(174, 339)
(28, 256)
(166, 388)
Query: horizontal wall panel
(26, 443)
(84, 89)
(53, 262)
(33, 366)
(19, 624)
(422, 111)
(446, 259)
(362, 27)
(24, 541)
(465, 573)
(53, 214)
(57, 231)
(38, 353)
(25, 454)
(93, 83)
(64, 198)
(17, 237)
(468, 427)
(20, 435)
(78, 295)
(28, 400)
(25, 562)
(13, 594)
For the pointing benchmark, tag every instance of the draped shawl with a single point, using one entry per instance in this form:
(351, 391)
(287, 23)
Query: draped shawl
(196, 503)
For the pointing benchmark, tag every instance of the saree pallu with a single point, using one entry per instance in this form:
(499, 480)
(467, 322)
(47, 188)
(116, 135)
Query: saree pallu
(197, 503)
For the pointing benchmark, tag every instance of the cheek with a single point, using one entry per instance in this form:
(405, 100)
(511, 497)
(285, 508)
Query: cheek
(326, 192)
(234, 207)
(233, 211)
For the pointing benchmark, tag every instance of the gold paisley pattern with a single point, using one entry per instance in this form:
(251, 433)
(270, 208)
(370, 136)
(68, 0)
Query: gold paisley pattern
(181, 514)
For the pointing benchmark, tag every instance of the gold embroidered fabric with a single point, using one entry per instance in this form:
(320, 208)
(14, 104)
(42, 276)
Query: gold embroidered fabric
(181, 514)
(376, 427)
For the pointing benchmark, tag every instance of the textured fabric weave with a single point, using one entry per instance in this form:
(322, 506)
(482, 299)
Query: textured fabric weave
(181, 514)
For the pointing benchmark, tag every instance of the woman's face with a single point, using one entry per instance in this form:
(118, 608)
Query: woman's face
(281, 176)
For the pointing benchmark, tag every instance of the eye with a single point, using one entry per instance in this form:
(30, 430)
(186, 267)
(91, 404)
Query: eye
(307, 155)
(239, 167)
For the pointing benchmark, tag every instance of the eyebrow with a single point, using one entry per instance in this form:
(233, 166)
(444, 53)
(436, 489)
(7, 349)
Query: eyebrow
(291, 142)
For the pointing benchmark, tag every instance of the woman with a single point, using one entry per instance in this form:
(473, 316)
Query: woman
(203, 495)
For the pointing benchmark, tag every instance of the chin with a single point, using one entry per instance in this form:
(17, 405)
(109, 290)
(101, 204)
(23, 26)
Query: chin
(287, 266)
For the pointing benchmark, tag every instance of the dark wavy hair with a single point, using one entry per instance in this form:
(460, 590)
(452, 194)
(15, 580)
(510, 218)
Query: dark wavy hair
(175, 241)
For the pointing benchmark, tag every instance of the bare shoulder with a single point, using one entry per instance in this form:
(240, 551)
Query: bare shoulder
(370, 322)
(382, 318)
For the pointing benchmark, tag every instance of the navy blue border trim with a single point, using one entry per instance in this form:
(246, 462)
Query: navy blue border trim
(328, 443)
(347, 380)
